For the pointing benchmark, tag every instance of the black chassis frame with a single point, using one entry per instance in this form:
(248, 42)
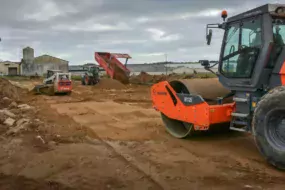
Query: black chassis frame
(249, 90)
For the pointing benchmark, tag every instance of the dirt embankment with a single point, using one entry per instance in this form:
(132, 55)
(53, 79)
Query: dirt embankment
(9, 90)
(20, 130)
(107, 83)
(144, 77)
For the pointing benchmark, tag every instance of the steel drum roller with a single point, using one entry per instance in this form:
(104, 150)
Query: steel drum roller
(210, 89)
(207, 88)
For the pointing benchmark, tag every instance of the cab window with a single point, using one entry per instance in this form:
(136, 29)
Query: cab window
(241, 46)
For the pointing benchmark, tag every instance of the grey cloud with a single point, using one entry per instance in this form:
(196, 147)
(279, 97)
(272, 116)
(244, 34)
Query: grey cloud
(75, 29)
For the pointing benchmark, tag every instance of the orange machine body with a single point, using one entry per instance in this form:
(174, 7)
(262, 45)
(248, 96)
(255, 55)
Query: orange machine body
(201, 115)
(282, 74)
(64, 86)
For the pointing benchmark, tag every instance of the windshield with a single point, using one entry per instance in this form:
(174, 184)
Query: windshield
(242, 43)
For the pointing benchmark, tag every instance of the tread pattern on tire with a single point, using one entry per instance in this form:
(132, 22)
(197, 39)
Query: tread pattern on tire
(273, 98)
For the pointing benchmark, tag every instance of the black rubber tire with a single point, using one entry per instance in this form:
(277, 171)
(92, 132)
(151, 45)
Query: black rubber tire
(83, 81)
(177, 129)
(265, 125)
(51, 91)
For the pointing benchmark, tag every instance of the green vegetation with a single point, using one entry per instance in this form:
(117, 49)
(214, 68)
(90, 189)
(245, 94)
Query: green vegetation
(76, 77)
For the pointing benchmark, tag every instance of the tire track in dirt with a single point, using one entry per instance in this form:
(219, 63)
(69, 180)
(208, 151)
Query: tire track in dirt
(157, 182)
(163, 159)
(203, 161)
(246, 160)
(88, 114)
(59, 170)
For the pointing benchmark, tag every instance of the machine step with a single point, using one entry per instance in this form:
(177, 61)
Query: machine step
(243, 115)
(240, 119)
(240, 122)
(242, 100)
(238, 129)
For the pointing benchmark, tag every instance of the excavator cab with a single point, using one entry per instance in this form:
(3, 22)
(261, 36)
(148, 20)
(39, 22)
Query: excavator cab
(248, 94)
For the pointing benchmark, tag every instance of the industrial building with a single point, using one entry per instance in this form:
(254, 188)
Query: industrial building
(150, 68)
(9, 68)
(168, 68)
(78, 70)
(31, 65)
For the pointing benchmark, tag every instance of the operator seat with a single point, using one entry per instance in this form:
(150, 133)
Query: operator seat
(278, 38)
(243, 64)
(246, 59)
(277, 48)
(257, 40)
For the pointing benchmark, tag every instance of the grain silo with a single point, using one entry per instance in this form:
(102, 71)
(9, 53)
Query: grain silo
(27, 64)
(28, 55)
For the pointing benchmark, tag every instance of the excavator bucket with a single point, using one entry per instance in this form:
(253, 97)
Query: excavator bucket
(191, 105)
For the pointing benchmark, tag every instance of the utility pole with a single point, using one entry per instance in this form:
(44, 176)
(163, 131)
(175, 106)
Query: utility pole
(166, 62)
(0, 41)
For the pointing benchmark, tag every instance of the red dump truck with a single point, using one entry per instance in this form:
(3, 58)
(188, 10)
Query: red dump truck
(113, 67)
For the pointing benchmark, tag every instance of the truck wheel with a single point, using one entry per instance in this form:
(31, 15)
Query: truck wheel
(87, 81)
(51, 91)
(268, 127)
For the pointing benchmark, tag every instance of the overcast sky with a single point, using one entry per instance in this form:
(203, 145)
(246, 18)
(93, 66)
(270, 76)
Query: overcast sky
(146, 29)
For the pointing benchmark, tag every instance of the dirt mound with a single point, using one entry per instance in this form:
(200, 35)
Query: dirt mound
(109, 84)
(144, 77)
(20, 182)
(120, 75)
(9, 90)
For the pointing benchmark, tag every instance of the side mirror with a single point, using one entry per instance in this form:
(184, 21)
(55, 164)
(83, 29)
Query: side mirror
(209, 37)
(204, 63)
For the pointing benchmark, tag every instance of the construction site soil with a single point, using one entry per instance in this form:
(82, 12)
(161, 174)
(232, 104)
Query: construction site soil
(108, 137)
(145, 78)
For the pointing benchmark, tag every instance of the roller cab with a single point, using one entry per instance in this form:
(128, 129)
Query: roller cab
(191, 105)
(251, 66)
